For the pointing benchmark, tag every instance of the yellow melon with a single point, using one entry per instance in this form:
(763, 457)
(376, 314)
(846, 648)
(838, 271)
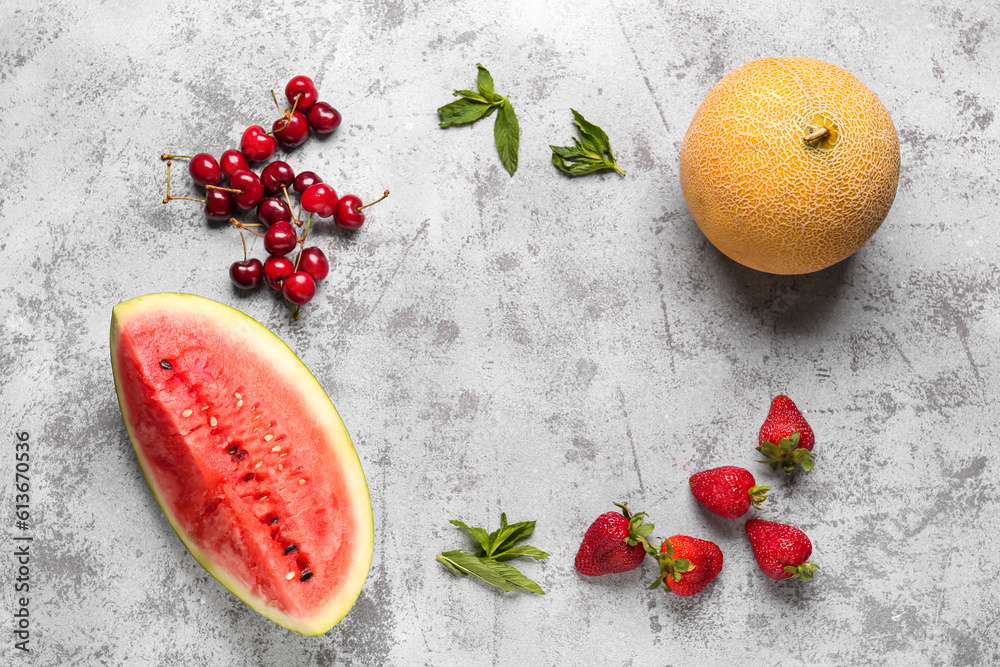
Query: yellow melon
(790, 165)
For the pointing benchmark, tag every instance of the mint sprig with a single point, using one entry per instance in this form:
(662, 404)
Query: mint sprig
(590, 153)
(488, 563)
(478, 104)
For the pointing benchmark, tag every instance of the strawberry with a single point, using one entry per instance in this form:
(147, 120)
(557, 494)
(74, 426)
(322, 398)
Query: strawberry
(781, 551)
(786, 439)
(727, 491)
(687, 564)
(613, 543)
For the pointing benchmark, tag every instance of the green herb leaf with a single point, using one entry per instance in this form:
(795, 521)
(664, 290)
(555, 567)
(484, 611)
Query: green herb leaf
(481, 568)
(489, 562)
(470, 95)
(479, 534)
(590, 153)
(462, 112)
(523, 550)
(485, 82)
(507, 133)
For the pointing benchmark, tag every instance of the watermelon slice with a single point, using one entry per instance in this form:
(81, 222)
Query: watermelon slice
(246, 456)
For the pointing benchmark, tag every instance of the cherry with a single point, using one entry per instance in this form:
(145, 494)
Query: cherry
(291, 132)
(323, 118)
(305, 89)
(320, 199)
(276, 270)
(313, 261)
(276, 174)
(272, 210)
(280, 239)
(348, 213)
(257, 144)
(304, 180)
(205, 170)
(250, 189)
(299, 288)
(218, 205)
(232, 161)
(247, 273)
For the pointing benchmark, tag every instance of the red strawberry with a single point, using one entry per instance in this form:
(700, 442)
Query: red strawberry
(786, 439)
(613, 543)
(687, 564)
(780, 550)
(727, 491)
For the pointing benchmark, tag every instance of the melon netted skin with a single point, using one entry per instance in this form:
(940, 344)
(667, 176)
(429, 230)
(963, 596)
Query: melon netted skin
(246, 456)
(769, 196)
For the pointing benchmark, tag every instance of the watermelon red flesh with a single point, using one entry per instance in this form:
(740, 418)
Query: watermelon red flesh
(293, 462)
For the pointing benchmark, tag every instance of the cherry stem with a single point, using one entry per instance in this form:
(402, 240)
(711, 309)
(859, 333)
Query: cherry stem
(285, 113)
(384, 195)
(169, 197)
(275, 98)
(241, 226)
(295, 218)
(219, 187)
(167, 156)
(243, 238)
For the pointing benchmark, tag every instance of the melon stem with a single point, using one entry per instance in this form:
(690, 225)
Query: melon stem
(816, 133)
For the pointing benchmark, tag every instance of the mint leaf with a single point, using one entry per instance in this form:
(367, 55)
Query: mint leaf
(476, 105)
(470, 95)
(523, 550)
(507, 133)
(483, 569)
(478, 533)
(514, 577)
(489, 564)
(462, 112)
(484, 82)
(588, 154)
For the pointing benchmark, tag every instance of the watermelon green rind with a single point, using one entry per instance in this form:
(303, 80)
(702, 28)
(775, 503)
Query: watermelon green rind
(261, 344)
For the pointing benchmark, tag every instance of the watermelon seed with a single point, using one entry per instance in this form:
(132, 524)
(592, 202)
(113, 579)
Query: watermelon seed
(213, 421)
(241, 455)
(255, 429)
(289, 576)
(306, 576)
(232, 450)
(259, 464)
(238, 394)
(239, 403)
(187, 413)
(280, 455)
(280, 467)
(268, 438)
(301, 482)
(255, 418)
(276, 448)
(274, 520)
(291, 547)
(247, 477)
(166, 364)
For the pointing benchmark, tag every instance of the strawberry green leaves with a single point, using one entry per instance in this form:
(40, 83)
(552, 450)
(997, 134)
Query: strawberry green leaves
(590, 153)
(670, 568)
(488, 563)
(787, 454)
(483, 102)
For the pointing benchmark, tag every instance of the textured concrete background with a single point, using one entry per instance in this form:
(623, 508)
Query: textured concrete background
(537, 344)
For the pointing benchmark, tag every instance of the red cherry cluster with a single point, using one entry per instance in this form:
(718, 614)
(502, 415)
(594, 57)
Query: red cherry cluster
(268, 193)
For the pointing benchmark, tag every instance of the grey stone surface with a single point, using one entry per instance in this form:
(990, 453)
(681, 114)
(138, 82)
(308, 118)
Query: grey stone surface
(537, 344)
